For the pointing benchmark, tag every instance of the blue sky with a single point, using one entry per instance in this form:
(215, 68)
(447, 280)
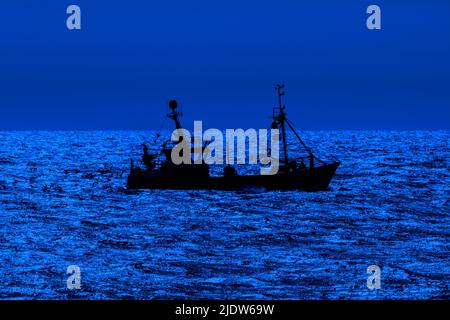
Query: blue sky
(220, 59)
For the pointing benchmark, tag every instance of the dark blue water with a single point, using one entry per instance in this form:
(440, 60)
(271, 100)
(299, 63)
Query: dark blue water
(63, 201)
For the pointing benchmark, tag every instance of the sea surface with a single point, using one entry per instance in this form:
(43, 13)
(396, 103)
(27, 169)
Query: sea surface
(63, 201)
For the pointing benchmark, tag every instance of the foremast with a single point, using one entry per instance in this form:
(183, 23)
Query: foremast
(280, 118)
(280, 121)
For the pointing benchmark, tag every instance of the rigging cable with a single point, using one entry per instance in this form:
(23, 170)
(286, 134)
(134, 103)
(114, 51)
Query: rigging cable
(302, 142)
(298, 136)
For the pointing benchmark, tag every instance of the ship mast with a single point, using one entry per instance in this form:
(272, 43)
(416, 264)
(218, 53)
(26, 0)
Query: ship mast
(281, 118)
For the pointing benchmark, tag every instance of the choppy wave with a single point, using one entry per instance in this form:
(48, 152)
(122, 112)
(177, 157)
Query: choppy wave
(63, 201)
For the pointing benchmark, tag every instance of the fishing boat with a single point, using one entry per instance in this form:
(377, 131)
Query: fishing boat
(306, 173)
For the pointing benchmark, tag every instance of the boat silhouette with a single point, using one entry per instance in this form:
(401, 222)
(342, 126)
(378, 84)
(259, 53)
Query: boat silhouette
(307, 173)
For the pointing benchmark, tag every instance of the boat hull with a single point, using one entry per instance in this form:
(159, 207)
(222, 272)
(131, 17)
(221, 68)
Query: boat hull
(316, 179)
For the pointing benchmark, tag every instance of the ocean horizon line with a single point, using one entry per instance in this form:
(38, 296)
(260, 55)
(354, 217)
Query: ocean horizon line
(190, 129)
